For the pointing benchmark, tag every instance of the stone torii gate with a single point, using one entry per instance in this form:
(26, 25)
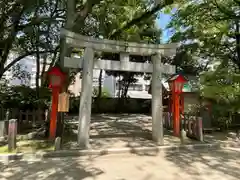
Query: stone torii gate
(88, 63)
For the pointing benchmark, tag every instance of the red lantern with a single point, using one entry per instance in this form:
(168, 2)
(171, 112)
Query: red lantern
(176, 83)
(56, 77)
(56, 80)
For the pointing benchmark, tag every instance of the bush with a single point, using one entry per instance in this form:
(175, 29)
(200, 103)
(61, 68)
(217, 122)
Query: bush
(24, 97)
(113, 105)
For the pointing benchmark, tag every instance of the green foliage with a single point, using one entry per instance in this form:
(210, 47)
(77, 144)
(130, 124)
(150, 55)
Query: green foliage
(113, 16)
(28, 28)
(223, 86)
(205, 31)
(18, 72)
(23, 97)
(209, 35)
(35, 29)
(110, 105)
(105, 93)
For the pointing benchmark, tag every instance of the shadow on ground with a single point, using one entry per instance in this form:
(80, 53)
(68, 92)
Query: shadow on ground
(220, 136)
(118, 131)
(115, 131)
(54, 169)
(189, 165)
(213, 162)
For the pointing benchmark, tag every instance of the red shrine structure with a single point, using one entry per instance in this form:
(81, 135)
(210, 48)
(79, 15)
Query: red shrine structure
(176, 100)
(56, 81)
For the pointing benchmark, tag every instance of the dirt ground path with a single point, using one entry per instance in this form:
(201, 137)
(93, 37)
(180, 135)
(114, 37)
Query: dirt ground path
(183, 165)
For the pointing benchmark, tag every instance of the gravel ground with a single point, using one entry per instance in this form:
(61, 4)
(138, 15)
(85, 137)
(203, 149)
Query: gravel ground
(129, 130)
(183, 165)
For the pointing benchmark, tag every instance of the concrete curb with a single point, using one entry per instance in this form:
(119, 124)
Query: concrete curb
(5, 158)
(133, 150)
(231, 144)
(136, 150)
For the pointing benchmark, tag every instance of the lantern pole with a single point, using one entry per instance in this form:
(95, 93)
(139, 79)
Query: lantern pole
(54, 110)
(176, 115)
(182, 103)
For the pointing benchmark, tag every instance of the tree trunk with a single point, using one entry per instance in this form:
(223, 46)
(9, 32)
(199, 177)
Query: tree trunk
(99, 95)
(8, 43)
(237, 36)
(37, 73)
(238, 56)
(119, 87)
(64, 49)
(44, 63)
(100, 84)
(1, 69)
(126, 88)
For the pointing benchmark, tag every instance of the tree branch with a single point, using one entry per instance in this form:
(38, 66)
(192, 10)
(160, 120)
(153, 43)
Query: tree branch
(227, 46)
(37, 21)
(25, 55)
(237, 30)
(140, 18)
(5, 15)
(9, 41)
(226, 12)
(237, 2)
(83, 12)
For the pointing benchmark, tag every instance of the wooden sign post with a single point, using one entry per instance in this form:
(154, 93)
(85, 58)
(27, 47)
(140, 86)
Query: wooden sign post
(63, 107)
(63, 102)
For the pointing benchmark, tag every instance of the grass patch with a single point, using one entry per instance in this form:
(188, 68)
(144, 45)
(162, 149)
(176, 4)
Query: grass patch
(35, 145)
(29, 146)
(4, 150)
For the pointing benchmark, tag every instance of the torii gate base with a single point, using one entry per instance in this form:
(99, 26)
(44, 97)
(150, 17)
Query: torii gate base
(88, 63)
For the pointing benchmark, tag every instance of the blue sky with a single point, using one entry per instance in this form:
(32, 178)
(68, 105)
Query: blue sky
(162, 21)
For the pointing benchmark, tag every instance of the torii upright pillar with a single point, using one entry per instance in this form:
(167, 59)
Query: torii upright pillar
(157, 109)
(86, 99)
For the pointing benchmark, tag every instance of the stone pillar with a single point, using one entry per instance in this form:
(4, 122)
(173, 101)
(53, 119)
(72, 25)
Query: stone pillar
(57, 144)
(157, 108)
(2, 128)
(12, 134)
(124, 60)
(199, 128)
(86, 99)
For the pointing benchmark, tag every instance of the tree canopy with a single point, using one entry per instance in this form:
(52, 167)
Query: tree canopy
(28, 28)
(209, 34)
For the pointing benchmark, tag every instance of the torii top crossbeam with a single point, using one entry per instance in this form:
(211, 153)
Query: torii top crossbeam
(122, 47)
(105, 45)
